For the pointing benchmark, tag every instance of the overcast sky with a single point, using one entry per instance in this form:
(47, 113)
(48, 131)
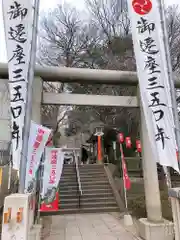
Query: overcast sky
(45, 5)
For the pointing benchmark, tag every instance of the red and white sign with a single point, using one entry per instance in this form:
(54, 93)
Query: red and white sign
(53, 165)
(37, 141)
(53, 206)
(154, 79)
(18, 20)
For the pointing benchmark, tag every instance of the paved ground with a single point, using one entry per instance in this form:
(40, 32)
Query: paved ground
(86, 227)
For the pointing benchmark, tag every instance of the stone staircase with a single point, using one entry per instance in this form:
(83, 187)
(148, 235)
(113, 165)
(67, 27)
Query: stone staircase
(97, 195)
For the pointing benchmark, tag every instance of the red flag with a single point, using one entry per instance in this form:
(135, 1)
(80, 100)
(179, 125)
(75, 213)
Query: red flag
(121, 137)
(126, 179)
(138, 146)
(127, 182)
(128, 142)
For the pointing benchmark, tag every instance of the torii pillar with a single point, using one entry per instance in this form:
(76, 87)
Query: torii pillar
(154, 226)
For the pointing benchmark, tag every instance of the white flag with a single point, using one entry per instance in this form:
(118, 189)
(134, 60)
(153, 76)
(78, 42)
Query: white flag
(53, 165)
(153, 79)
(18, 32)
(37, 140)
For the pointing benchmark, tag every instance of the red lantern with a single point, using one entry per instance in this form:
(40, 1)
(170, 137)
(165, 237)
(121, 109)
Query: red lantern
(138, 145)
(121, 137)
(128, 142)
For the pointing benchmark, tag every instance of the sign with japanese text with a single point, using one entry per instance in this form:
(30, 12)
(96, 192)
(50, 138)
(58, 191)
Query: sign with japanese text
(153, 76)
(18, 32)
(38, 138)
(53, 165)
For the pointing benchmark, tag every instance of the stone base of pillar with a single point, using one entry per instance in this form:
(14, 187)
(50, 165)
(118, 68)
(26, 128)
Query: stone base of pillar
(160, 231)
(35, 232)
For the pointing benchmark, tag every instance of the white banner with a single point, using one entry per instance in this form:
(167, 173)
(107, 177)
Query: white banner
(153, 79)
(18, 31)
(37, 140)
(53, 165)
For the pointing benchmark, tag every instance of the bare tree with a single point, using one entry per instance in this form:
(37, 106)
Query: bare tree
(173, 27)
(64, 37)
(104, 42)
(113, 25)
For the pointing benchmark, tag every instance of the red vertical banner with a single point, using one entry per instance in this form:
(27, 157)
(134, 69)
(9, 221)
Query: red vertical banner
(126, 179)
(99, 149)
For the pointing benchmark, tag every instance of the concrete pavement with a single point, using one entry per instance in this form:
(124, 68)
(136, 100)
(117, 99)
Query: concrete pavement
(85, 227)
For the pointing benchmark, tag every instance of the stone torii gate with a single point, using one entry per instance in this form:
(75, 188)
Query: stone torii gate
(154, 227)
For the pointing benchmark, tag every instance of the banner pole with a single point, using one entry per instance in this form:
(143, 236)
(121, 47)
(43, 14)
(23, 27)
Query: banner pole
(28, 112)
(41, 174)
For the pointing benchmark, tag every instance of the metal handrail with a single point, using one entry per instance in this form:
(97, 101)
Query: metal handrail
(78, 177)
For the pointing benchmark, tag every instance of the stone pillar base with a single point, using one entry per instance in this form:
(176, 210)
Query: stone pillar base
(159, 231)
(35, 232)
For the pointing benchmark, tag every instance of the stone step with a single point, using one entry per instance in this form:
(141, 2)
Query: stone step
(88, 204)
(90, 166)
(86, 191)
(87, 168)
(68, 178)
(84, 183)
(92, 173)
(85, 187)
(68, 174)
(84, 179)
(81, 210)
(68, 188)
(96, 187)
(110, 198)
(88, 195)
(84, 171)
(92, 178)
